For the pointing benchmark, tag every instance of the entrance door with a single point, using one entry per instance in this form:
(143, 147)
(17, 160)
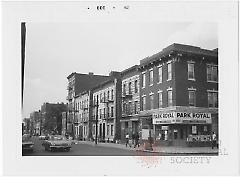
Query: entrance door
(103, 131)
(100, 131)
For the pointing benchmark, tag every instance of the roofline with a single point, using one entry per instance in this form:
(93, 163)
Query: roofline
(132, 68)
(174, 47)
(73, 73)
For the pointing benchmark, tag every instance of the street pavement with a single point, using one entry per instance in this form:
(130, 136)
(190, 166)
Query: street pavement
(86, 148)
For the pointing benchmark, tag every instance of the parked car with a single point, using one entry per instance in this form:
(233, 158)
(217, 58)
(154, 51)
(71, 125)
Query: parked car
(27, 144)
(43, 137)
(57, 142)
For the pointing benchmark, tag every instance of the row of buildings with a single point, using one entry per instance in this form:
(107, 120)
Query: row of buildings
(47, 120)
(171, 96)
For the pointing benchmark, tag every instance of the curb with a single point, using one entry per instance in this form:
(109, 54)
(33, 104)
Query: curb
(178, 152)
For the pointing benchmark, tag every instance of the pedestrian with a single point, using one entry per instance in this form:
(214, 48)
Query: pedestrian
(214, 140)
(136, 140)
(127, 140)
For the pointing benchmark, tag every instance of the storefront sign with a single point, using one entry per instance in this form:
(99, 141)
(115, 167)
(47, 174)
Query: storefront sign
(181, 117)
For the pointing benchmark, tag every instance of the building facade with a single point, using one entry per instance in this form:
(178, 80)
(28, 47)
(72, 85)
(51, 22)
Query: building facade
(130, 102)
(106, 112)
(179, 95)
(77, 84)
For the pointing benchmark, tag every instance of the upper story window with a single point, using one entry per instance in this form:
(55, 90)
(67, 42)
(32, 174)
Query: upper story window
(212, 99)
(112, 111)
(104, 96)
(160, 99)
(192, 97)
(136, 86)
(124, 89)
(130, 88)
(135, 107)
(151, 77)
(191, 71)
(169, 69)
(212, 73)
(151, 101)
(143, 80)
(112, 95)
(170, 98)
(108, 95)
(143, 106)
(160, 74)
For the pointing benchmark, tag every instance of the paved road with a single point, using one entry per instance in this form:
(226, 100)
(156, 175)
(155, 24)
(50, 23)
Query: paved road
(81, 150)
(95, 150)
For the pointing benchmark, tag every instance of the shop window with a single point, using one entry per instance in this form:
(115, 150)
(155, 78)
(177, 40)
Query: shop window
(107, 129)
(205, 128)
(181, 133)
(175, 133)
(194, 129)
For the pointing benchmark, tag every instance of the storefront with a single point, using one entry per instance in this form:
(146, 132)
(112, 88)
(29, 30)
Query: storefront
(182, 128)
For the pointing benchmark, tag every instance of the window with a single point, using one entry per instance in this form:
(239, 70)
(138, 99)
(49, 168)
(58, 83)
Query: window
(112, 111)
(212, 73)
(213, 99)
(111, 130)
(192, 97)
(151, 101)
(124, 89)
(160, 74)
(107, 129)
(143, 80)
(100, 113)
(194, 129)
(136, 86)
(160, 101)
(93, 130)
(169, 67)
(104, 112)
(130, 88)
(100, 97)
(108, 95)
(129, 108)
(108, 111)
(104, 97)
(135, 107)
(170, 101)
(151, 77)
(191, 71)
(143, 103)
(112, 95)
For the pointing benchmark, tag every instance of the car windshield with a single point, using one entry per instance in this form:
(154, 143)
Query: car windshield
(56, 138)
(26, 137)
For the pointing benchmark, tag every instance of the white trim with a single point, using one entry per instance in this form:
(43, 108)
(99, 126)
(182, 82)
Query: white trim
(160, 65)
(143, 95)
(191, 79)
(191, 61)
(169, 88)
(151, 93)
(160, 91)
(151, 69)
(150, 85)
(192, 89)
(211, 64)
(144, 72)
(212, 81)
(215, 91)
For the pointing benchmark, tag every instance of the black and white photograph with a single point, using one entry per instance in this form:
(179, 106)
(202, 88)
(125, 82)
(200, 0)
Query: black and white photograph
(164, 102)
(127, 85)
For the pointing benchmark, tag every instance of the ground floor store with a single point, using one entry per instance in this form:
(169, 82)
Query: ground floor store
(131, 126)
(191, 127)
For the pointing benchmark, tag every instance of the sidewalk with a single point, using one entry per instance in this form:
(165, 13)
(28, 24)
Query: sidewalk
(157, 149)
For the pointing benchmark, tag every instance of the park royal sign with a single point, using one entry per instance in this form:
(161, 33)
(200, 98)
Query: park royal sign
(181, 117)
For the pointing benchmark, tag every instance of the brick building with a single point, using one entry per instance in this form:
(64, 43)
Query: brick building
(130, 102)
(107, 109)
(179, 94)
(77, 84)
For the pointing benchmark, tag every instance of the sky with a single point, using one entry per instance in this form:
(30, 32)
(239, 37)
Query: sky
(55, 50)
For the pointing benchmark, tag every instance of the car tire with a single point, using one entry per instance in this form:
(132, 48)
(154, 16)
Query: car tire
(68, 149)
